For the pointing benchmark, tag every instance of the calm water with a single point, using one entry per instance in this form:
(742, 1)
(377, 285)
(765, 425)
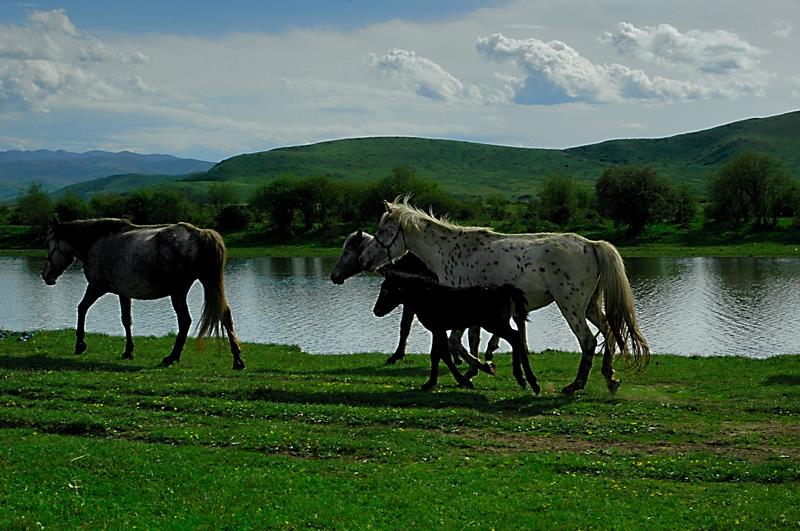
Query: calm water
(733, 306)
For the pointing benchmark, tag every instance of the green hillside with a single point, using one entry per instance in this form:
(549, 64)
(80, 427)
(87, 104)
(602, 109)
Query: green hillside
(467, 168)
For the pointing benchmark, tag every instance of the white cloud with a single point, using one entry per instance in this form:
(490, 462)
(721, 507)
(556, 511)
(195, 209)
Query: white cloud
(710, 52)
(426, 78)
(556, 73)
(782, 29)
(49, 60)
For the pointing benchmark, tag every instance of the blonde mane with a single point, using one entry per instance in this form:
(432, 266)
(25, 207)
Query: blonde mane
(415, 219)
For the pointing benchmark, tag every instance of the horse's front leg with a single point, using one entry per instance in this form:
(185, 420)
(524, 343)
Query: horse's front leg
(405, 329)
(492, 346)
(236, 350)
(127, 321)
(448, 360)
(435, 355)
(184, 322)
(89, 297)
(457, 350)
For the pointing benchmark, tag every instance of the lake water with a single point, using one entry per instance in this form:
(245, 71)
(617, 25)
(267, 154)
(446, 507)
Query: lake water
(703, 306)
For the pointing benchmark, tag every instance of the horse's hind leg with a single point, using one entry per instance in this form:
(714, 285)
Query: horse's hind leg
(520, 342)
(236, 350)
(127, 321)
(184, 322)
(596, 317)
(577, 322)
(89, 297)
(405, 329)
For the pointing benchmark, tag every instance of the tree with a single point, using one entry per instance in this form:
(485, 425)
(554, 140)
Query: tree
(631, 196)
(558, 199)
(750, 187)
(222, 194)
(35, 208)
(278, 201)
(70, 207)
(164, 206)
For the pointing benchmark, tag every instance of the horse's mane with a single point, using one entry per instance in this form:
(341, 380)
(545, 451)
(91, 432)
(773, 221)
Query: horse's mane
(415, 219)
(81, 234)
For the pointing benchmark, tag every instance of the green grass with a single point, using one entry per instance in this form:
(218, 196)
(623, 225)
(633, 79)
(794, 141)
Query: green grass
(299, 441)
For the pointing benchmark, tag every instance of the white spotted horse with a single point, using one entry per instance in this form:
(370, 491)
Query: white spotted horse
(145, 262)
(585, 278)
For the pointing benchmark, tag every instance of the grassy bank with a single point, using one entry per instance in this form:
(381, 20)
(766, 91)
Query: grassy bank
(629, 251)
(298, 441)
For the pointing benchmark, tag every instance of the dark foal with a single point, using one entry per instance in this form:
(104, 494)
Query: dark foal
(441, 308)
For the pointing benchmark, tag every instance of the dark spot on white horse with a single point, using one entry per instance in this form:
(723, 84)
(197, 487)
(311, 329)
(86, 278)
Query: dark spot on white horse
(541, 269)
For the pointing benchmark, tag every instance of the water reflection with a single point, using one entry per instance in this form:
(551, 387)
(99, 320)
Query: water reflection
(744, 306)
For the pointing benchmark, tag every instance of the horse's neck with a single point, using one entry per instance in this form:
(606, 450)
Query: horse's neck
(431, 245)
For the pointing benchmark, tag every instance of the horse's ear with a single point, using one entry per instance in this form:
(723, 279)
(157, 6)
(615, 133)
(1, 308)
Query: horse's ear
(386, 204)
(358, 234)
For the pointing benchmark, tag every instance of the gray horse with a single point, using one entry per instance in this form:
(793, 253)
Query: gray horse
(145, 262)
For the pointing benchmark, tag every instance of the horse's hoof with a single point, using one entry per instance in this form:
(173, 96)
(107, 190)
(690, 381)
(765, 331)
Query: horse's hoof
(166, 362)
(127, 355)
(568, 390)
(80, 347)
(536, 389)
(457, 360)
(391, 360)
(490, 368)
(467, 384)
(471, 373)
(427, 386)
(238, 365)
(613, 386)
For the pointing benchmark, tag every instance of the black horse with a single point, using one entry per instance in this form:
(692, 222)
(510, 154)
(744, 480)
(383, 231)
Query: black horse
(348, 265)
(441, 308)
(145, 262)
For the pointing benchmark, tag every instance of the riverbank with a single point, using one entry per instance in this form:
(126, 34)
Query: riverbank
(767, 249)
(298, 441)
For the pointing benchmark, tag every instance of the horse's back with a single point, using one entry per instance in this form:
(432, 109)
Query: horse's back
(146, 262)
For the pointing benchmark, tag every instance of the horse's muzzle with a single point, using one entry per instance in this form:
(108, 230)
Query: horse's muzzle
(337, 279)
(49, 281)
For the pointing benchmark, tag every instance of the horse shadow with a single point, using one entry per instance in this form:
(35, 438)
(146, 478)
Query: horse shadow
(783, 379)
(366, 370)
(38, 362)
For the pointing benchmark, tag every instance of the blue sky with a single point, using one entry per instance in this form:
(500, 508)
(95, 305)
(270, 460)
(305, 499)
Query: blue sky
(211, 80)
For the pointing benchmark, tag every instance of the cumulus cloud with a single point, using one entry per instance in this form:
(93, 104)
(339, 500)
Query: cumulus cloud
(711, 52)
(426, 78)
(556, 73)
(50, 59)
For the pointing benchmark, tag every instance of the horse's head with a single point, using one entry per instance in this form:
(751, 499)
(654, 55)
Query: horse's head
(389, 298)
(388, 245)
(348, 264)
(60, 256)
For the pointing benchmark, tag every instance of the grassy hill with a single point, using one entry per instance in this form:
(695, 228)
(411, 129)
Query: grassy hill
(467, 168)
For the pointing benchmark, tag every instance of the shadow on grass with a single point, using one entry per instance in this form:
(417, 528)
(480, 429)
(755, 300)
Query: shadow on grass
(39, 362)
(367, 370)
(783, 379)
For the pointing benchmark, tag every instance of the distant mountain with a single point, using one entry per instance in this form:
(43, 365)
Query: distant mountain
(56, 169)
(474, 169)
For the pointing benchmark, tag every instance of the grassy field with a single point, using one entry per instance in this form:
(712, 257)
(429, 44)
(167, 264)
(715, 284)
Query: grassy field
(302, 441)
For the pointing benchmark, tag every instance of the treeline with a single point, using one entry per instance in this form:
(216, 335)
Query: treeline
(751, 190)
